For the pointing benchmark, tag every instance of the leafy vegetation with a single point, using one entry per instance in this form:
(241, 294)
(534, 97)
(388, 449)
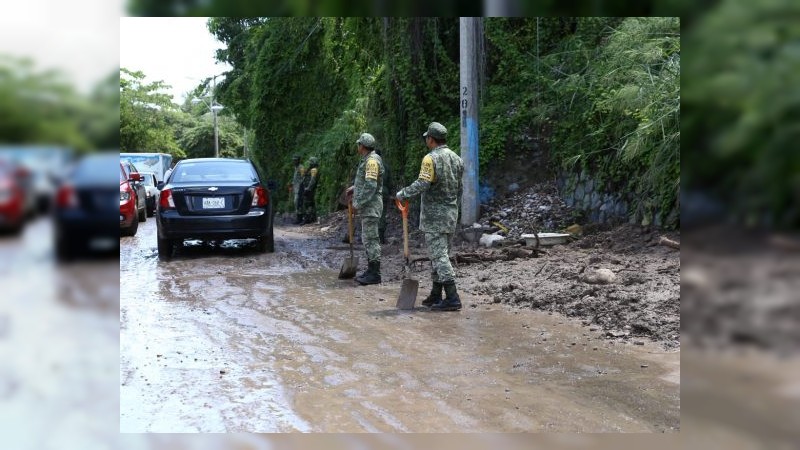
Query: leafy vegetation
(602, 93)
(43, 108)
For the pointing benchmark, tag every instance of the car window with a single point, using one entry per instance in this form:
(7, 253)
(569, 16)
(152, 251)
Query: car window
(149, 179)
(213, 171)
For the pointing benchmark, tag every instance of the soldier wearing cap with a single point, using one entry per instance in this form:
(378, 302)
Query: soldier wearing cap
(297, 188)
(309, 189)
(439, 184)
(367, 191)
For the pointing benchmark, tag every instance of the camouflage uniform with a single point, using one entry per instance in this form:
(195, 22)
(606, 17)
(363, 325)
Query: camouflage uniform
(309, 188)
(297, 188)
(387, 199)
(367, 199)
(439, 183)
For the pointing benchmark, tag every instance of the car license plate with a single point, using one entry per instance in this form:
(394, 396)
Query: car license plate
(213, 202)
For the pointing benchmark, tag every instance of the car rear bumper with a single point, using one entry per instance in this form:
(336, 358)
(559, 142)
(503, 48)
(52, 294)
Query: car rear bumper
(76, 223)
(254, 224)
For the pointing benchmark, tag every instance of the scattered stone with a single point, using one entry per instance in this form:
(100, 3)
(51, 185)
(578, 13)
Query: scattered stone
(489, 240)
(645, 366)
(600, 276)
(638, 343)
(223, 371)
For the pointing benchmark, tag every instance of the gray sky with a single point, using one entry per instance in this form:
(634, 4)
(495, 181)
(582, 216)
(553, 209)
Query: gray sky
(79, 38)
(177, 50)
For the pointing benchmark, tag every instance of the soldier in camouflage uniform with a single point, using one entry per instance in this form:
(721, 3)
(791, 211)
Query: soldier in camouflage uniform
(297, 189)
(367, 191)
(309, 190)
(439, 183)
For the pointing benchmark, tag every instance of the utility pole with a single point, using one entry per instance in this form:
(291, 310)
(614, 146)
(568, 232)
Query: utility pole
(469, 27)
(216, 132)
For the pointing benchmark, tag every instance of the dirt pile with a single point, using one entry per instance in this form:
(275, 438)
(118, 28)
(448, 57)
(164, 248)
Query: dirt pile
(622, 282)
(536, 208)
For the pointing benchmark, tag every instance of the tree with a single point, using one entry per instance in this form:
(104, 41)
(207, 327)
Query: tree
(144, 113)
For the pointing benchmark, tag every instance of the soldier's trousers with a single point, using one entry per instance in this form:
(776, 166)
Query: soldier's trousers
(370, 238)
(308, 207)
(439, 252)
(298, 202)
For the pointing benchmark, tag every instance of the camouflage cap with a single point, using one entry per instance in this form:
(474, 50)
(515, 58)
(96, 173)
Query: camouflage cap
(367, 140)
(313, 161)
(436, 131)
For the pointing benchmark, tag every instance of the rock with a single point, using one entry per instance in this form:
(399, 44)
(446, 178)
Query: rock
(488, 240)
(324, 229)
(513, 187)
(600, 276)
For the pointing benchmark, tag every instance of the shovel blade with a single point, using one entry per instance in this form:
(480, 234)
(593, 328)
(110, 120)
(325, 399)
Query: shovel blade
(408, 294)
(349, 268)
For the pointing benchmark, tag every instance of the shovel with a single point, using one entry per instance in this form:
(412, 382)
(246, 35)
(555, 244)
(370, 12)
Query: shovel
(408, 290)
(350, 265)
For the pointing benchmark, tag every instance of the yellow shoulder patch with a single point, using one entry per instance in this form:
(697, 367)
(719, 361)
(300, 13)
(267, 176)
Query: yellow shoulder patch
(426, 172)
(372, 170)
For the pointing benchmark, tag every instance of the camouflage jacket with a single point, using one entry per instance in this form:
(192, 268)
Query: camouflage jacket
(297, 179)
(368, 186)
(310, 179)
(439, 183)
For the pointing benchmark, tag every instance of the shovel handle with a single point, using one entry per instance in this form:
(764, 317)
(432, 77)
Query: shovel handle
(350, 224)
(403, 207)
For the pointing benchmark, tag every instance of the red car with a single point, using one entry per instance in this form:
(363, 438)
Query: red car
(12, 199)
(128, 204)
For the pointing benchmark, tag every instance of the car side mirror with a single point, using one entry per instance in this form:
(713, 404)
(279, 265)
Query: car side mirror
(136, 176)
(160, 185)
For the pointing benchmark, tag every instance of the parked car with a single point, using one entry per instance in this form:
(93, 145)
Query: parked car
(136, 181)
(149, 181)
(12, 199)
(214, 199)
(83, 208)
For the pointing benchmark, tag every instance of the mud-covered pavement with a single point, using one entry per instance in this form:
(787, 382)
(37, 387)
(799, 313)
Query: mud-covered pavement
(223, 339)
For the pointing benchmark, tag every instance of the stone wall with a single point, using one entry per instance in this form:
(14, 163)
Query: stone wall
(583, 193)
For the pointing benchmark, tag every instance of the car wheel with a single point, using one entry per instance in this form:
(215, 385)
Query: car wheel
(131, 230)
(266, 243)
(63, 250)
(165, 248)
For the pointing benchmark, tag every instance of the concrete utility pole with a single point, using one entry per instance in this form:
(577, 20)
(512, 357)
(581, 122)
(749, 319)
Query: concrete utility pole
(470, 36)
(216, 131)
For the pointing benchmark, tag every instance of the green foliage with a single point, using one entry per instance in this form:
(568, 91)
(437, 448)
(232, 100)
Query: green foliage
(310, 86)
(143, 115)
(601, 93)
(42, 108)
(604, 93)
(742, 109)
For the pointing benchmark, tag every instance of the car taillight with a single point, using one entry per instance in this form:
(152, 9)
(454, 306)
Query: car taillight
(260, 197)
(65, 197)
(166, 201)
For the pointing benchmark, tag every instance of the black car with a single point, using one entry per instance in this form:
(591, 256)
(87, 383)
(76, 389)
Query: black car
(85, 205)
(213, 199)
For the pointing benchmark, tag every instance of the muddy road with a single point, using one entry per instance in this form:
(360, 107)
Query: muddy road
(224, 339)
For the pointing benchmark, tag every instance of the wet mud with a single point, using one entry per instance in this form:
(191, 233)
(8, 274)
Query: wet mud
(224, 339)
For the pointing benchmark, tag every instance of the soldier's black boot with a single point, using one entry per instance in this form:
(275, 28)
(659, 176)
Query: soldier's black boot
(451, 301)
(435, 296)
(372, 275)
